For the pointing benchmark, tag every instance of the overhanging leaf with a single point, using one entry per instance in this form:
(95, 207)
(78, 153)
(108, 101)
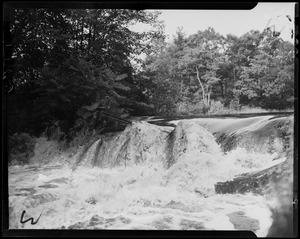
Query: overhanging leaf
(121, 77)
(92, 107)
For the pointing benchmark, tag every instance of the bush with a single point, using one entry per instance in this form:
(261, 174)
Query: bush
(234, 105)
(183, 108)
(54, 132)
(20, 148)
(216, 107)
(248, 110)
(198, 108)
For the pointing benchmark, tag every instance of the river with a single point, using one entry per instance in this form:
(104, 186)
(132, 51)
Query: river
(146, 193)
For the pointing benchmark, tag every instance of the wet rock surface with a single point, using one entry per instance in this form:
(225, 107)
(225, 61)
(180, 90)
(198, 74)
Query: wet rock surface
(242, 222)
(163, 223)
(144, 142)
(178, 206)
(48, 186)
(139, 142)
(266, 136)
(38, 199)
(191, 225)
(25, 191)
(260, 182)
(98, 222)
(187, 139)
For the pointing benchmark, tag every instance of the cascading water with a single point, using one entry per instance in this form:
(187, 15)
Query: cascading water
(151, 177)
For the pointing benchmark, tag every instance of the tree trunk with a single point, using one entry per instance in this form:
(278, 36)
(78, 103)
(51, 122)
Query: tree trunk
(260, 88)
(203, 92)
(208, 98)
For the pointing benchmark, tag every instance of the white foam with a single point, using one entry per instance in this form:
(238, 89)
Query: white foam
(146, 193)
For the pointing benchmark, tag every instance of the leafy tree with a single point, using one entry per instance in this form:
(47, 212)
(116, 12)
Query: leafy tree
(201, 58)
(186, 67)
(269, 75)
(255, 69)
(239, 52)
(66, 59)
(162, 68)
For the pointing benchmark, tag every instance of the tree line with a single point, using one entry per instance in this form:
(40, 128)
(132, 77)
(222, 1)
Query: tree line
(196, 72)
(71, 67)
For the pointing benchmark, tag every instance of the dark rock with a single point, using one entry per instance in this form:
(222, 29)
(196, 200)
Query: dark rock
(242, 222)
(178, 206)
(191, 225)
(25, 191)
(283, 222)
(189, 138)
(77, 225)
(269, 136)
(139, 142)
(98, 222)
(48, 186)
(38, 199)
(59, 180)
(227, 142)
(91, 200)
(260, 182)
(107, 222)
(162, 224)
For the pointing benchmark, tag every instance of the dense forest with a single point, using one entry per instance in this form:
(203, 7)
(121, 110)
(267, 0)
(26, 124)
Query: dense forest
(206, 71)
(66, 69)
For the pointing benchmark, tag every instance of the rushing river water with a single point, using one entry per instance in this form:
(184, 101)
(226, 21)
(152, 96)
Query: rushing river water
(145, 194)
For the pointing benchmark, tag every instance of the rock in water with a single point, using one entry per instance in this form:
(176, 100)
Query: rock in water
(189, 153)
(193, 159)
(265, 136)
(139, 142)
(188, 138)
(144, 142)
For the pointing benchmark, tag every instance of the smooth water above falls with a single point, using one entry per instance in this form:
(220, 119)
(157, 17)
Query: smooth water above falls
(153, 177)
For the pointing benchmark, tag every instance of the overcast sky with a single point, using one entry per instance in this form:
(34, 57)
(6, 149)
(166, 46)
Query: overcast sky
(236, 22)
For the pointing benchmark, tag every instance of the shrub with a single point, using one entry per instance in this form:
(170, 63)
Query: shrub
(216, 107)
(249, 110)
(20, 148)
(55, 133)
(183, 108)
(234, 105)
(199, 108)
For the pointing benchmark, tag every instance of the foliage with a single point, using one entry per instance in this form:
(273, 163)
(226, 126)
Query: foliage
(73, 67)
(254, 70)
(67, 59)
(268, 76)
(20, 148)
(216, 107)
